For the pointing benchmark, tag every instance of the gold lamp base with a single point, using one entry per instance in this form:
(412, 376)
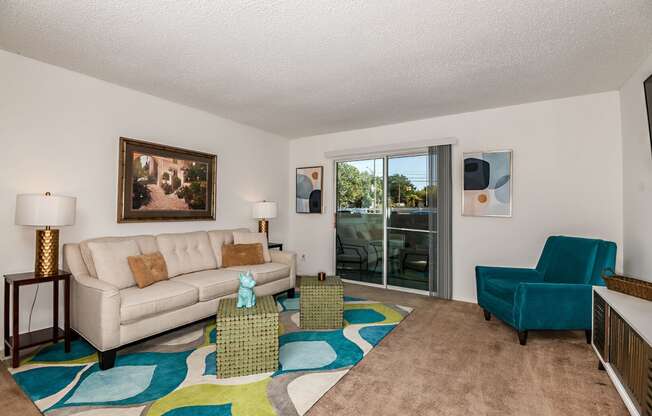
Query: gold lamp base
(47, 253)
(263, 227)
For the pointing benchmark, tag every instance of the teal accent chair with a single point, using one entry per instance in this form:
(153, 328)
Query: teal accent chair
(556, 295)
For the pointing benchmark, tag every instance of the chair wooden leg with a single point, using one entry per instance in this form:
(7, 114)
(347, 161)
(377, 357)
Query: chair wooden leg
(588, 333)
(107, 359)
(522, 337)
(487, 315)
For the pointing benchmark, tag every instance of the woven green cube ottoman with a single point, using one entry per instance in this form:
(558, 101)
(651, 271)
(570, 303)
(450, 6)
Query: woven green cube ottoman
(321, 303)
(247, 338)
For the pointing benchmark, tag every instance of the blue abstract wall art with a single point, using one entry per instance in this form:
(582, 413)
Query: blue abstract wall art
(488, 184)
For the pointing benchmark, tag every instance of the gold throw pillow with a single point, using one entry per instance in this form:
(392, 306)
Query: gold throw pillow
(242, 254)
(148, 269)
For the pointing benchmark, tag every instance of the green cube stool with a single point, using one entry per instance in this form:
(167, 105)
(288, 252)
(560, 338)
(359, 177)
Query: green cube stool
(321, 303)
(247, 338)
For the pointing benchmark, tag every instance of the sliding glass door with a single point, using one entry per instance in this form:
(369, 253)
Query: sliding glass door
(411, 222)
(359, 220)
(393, 221)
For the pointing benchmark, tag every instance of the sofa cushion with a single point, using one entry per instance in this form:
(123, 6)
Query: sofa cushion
(265, 273)
(220, 237)
(212, 284)
(110, 260)
(165, 296)
(186, 252)
(146, 244)
(252, 238)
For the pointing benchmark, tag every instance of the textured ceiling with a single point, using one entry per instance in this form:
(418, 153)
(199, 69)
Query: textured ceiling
(299, 68)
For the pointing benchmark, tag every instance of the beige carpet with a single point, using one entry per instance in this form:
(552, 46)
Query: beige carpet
(445, 359)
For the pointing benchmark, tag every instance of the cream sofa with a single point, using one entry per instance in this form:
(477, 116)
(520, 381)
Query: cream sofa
(109, 318)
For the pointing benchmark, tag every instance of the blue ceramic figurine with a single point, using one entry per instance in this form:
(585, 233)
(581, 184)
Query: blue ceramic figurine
(246, 295)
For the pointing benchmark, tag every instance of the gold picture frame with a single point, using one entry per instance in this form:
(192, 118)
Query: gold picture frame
(163, 183)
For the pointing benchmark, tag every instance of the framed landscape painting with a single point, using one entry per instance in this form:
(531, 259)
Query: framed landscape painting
(163, 183)
(487, 184)
(309, 184)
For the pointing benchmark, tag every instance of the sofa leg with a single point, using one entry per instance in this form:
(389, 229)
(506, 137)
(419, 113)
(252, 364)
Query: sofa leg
(588, 333)
(522, 337)
(106, 359)
(290, 293)
(487, 315)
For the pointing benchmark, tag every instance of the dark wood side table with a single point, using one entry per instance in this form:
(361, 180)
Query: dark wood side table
(16, 341)
(275, 245)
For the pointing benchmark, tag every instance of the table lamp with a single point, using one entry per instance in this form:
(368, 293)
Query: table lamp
(45, 210)
(263, 211)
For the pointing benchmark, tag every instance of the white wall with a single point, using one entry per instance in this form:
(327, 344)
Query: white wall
(59, 132)
(637, 176)
(567, 180)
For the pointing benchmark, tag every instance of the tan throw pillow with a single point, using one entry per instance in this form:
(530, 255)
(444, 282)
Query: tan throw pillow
(242, 254)
(148, 269)
(252, 238)
(110, 259)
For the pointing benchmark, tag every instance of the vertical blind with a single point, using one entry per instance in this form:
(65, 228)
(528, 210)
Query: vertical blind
(440, 178)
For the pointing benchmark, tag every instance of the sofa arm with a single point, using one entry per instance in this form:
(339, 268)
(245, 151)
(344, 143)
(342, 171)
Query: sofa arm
(289, 258)
(552, 306)
(96, 311)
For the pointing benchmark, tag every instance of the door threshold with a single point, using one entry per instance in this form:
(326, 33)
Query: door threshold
(388, 287)
(409, 290)
(357, 282)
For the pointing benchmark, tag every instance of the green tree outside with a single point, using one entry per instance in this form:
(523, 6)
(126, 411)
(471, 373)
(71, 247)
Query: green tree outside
(356, 189)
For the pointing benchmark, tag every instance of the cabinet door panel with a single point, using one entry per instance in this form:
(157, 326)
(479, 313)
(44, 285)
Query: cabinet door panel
(648, 399)
(600, 310)
(629, 356)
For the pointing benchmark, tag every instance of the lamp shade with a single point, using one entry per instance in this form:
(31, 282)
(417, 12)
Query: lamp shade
(264, 210)
(45, 210)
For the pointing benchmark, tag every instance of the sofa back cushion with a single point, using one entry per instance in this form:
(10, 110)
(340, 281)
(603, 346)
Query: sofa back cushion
(186, 252)
(110, 261)
(146, 244)
(570, 260)
(253, 238)
(220, 237)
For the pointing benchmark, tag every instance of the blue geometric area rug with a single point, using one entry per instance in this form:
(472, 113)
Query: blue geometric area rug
(174, 374)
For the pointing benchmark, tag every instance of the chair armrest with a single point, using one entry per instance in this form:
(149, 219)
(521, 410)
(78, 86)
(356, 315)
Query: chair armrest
(358, 250)
(355, 243)
(482, 273)
(552, 306)
(96, 311)
(289, 258)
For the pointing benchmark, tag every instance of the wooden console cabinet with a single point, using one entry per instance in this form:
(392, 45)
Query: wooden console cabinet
(622, 338)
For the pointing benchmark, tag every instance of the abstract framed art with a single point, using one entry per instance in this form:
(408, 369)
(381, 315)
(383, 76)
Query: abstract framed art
(309, 185)
(164, 183)
(487, 184)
